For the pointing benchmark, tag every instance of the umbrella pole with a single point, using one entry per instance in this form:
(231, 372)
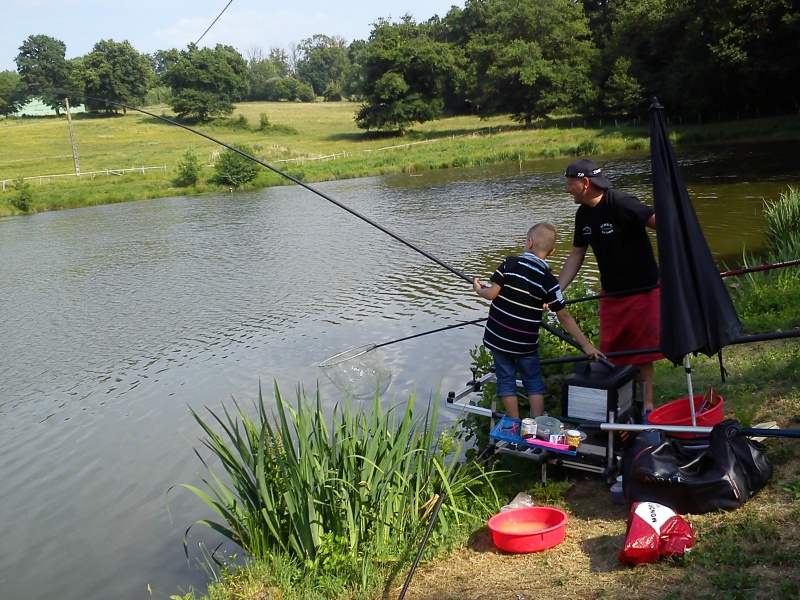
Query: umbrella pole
(687, 365)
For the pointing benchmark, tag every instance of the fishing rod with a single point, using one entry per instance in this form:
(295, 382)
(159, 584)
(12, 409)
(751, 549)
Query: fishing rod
(359, 352)
(312, 189)
(274, 169)
(778, 265)
(746, 339)
(767, 267)
(428, 531)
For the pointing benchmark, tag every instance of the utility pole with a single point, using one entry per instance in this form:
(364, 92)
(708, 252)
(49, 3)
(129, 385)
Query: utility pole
(72, 139)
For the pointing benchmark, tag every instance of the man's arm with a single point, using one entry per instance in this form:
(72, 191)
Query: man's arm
(651, 222)
(571, 266)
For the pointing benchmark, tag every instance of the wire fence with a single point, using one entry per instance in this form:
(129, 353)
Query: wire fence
(481, 132)
(41, 179)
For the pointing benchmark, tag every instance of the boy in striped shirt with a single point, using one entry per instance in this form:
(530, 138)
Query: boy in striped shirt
(521, 287)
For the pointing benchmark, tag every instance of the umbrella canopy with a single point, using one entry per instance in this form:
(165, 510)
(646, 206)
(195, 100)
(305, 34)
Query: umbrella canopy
(697, 314)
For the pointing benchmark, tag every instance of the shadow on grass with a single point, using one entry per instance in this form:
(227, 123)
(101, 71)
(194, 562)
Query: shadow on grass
(412, 135)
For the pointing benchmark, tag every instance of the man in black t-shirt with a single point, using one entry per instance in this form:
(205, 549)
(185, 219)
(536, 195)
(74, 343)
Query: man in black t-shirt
(614, 224)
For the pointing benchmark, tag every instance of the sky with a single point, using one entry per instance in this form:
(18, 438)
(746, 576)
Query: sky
(151, 25)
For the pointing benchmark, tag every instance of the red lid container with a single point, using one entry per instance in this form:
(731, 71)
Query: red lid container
(678, 412)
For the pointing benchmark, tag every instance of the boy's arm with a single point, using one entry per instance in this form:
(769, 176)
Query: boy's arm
(569, 324)
(490, 293)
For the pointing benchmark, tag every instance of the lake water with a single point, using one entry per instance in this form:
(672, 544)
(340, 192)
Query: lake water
(119, 319)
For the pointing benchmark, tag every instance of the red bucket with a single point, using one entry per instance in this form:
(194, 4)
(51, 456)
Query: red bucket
(678, 412)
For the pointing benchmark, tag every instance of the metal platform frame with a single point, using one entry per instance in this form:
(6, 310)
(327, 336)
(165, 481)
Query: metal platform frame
(594, 457)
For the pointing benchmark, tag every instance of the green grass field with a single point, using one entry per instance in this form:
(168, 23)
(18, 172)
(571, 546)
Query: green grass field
(313, 142)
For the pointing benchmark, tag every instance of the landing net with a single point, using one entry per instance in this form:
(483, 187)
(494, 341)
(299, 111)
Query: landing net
(360, 372)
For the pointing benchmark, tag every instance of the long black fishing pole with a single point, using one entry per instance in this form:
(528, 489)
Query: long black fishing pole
(293, 179)
(417, 558)
(353, 212)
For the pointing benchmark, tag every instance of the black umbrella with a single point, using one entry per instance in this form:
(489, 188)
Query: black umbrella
(697, 314)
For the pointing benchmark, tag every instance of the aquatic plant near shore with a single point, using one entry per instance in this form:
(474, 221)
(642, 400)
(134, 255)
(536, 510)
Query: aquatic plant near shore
(769, 301)
(342, 496)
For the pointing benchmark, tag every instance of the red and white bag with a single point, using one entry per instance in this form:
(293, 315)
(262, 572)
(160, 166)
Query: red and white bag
(655, 530)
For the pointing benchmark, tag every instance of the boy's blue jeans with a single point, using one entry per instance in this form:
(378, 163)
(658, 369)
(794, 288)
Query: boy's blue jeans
(506, 367)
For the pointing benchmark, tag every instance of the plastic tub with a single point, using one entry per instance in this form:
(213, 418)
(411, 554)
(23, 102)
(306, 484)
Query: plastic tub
(545, 426)
(678, 412)
(530, 529)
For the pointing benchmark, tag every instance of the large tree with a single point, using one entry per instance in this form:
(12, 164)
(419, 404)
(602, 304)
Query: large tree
(528, 58)
(264, 71)
(206, 82)
(712, 58)
(162, 60)
(45, 71)
(323, 63)
(403, 76)
(115, 72)
(355, 56)
(12, 92)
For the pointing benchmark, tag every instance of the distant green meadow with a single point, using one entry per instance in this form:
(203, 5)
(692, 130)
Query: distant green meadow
(310, 141)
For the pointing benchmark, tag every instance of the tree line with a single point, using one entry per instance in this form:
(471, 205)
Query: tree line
(529, 59)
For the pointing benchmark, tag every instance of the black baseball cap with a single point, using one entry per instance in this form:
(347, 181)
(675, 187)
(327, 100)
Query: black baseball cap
(588, 168)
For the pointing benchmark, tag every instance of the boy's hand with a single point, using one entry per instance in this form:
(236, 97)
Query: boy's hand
(479, 285)
(592, 352)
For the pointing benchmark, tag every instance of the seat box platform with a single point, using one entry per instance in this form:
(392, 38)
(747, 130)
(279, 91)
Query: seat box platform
(596, 393)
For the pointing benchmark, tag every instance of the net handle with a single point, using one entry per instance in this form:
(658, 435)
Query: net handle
(350, 354)
(446, 327)
(337, 358)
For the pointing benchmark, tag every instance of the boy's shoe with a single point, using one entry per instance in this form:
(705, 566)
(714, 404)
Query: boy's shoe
(645, 418)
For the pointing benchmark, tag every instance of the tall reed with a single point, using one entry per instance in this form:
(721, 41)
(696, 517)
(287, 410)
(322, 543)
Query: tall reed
(769, 301)
(783, 226)
(344, 493)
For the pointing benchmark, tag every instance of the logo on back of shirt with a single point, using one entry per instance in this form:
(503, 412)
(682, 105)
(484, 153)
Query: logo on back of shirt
(607, 228)
(587, 231)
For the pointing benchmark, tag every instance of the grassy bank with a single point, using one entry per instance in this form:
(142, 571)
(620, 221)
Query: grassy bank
(312, 142)
(751, 552)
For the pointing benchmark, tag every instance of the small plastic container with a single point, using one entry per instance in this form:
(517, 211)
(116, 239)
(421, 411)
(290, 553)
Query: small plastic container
(546, 426)
(528, 429)
(617, 494)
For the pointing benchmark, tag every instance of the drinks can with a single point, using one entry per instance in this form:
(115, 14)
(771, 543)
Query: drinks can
(528, 429)
(573, 438)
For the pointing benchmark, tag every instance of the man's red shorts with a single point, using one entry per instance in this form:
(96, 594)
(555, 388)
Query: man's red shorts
(631, 323)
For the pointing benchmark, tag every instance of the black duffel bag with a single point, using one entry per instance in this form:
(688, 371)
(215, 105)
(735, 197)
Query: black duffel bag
(697, 475)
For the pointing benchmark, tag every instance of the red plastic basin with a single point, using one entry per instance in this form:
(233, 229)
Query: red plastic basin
(529, 529)
(678, 412)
